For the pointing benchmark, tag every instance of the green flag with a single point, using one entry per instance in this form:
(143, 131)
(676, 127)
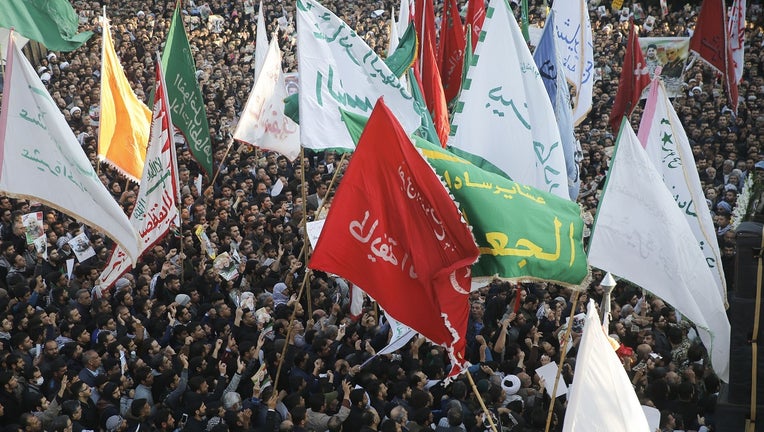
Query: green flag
(523, 234)
(53, 23)
(186, 102)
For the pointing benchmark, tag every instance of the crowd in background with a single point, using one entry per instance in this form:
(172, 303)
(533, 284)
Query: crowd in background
(174, 346)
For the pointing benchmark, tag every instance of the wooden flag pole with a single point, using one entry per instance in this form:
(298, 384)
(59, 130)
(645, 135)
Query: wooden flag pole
(482, 404)
(289, 328)
(225, 155)
(331, 184)
(306, 240)
(563, 349)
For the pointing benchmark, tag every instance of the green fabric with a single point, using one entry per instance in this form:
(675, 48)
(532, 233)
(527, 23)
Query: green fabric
(523, 233)
(53, 23)
(405, 54)
(186, 102)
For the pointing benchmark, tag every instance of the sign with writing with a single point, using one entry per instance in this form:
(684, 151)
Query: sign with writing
(338, 70)
(503, 114)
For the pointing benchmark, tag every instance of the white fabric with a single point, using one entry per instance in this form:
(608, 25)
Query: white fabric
(262, 121)
(338, 70)
(401, 334)
(261, 42)
(601, 397)
(736, 33)
(575, 43)
(42, 159)
(641, 234)
(504, 114)
(20, 41)
(155, 206)
(663, 137)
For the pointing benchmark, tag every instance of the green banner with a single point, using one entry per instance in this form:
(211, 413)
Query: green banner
(523, 234)
(53, 23)
(186, 102)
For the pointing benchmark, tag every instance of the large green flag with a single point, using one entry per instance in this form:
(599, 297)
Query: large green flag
(186, 102)
(51, 22)
(524, 234)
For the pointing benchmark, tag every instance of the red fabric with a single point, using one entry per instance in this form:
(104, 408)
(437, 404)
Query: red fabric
(711, 42)
(451, 50)
(432, 87)
(634, 78)
(475, 18)
(394, 231)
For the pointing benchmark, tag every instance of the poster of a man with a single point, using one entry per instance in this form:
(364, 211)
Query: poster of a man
(669, 53)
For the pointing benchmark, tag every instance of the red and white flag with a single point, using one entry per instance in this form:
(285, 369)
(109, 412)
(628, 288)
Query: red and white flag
(475, 18)
(451, 50)
(395, 231)
(712, 44)
(155, 209)
(634, 79)
(736, 31)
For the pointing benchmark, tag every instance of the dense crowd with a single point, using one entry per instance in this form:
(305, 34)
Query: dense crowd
(175, 346)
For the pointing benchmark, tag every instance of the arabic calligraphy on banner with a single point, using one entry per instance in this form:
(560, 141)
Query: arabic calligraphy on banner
(382, 247)
(522, 233)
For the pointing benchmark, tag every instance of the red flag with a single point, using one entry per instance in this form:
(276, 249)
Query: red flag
(451, 50)
(711, 42)
(475, 18)
(394, 230)
(432, 87)
(634, 78)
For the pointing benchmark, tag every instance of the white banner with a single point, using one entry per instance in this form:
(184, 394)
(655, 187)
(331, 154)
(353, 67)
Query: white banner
(601, 396)
(155, 211)
(736, 33)
(504, 115)
(338, 70)
(261, 41)
(575, 43)
(663, 137)
(42, 159)
(642, 235)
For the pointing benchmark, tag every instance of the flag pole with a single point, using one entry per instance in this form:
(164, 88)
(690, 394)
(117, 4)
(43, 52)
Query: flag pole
(306, 242)
(480, 399)
(562, 360)
(289, 327)
(225, 155)
(331, 184)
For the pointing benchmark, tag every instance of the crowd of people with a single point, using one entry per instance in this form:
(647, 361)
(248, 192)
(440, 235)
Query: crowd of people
(172, 345)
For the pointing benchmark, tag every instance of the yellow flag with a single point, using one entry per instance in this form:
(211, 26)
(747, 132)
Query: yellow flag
(125, 120)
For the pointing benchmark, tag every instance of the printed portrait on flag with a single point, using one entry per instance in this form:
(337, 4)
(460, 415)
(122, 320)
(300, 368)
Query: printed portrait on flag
(670, 53)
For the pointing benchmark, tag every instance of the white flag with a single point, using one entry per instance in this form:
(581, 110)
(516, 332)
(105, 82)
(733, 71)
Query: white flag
(261, 42)
(262, 121)
(642, 235)
(504, 115)
(392, 43)
(663, 137)
(401, 334)
(601, 397)
(736, 32)
(155, 211)
(575, 45)
(42, 159)
(4, 35)
(339, 71)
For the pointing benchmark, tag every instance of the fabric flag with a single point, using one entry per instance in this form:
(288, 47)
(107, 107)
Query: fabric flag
(43, 161)
(503, 115)
(186, 102)
(575, 45)
(396, 232)
(662, 135)
(531, 235)
(262, 121)
(601, 397)
(155, 207)
(342, 73)
(400, 335)
(4, 35)
(549, 65)
(711, 42)
(429, 73)
(736, 31)
(125, 121)
(405, 12)
(392, 43)
(634, 79)
(451, 50)
(53, 23)
(475, 19)
(261, 41)
(641, 234)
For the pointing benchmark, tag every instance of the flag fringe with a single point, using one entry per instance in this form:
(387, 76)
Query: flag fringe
(121, 171)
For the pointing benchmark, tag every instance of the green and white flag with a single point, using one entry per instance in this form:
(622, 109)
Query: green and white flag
(338, 70)
(663, 137)
(186, 102)
(504, 121)
(53, 23)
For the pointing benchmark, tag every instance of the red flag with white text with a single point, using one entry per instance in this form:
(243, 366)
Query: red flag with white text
(394, 230)
(712, 44)
(475, 18)
(451, 49)
(634, 79)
